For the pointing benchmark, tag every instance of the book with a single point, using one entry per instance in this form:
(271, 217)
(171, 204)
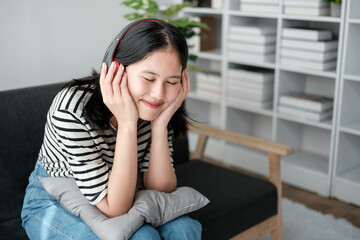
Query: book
(308, 55)
(308, 3)
(317, 116)
(307, 34)
(307, 11)
(247, 94)
(260, 8)
(247, 103)
(255, 39)
(312, 102)
(253, 75)
(318, 46)
(253, 30)
(253, 86)
(321, 66)
(250, 57)
(251, 48)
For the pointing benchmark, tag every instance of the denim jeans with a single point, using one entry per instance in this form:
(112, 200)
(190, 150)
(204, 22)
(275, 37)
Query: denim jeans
(44, 218)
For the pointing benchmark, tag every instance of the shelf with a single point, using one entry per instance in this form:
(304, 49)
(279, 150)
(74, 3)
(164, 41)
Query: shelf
(354, 20)
(203, 11)
(308, 161)
(352, 77)
(252, 14)
(255, 64)
(211, 54)
(324, 124)
(330, 74)
(351, 128)
(351, 175)
(262, 111)
(312, 19)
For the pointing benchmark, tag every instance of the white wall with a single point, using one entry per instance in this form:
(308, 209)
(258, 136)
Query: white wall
(49, 41)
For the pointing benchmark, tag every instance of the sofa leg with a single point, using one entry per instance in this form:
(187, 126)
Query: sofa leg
(276, 234)
(275, 178)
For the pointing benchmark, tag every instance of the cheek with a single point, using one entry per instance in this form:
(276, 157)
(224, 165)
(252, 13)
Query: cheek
(135, 87)
(173, 92)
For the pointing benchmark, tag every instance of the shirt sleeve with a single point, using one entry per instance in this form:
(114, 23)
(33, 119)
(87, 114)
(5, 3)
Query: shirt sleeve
(77, 141)
(145, 162)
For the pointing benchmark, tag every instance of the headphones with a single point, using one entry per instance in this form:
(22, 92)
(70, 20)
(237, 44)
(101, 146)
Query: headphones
(109, 54)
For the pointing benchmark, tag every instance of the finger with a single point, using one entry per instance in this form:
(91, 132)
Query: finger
(108, 80)
(102, 79)
(116, 82)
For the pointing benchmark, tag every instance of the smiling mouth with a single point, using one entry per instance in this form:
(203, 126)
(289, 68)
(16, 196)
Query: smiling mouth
(151, 104)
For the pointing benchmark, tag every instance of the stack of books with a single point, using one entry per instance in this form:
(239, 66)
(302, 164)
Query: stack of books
(208, 86)
(260, 6)
(304, 105)
(252, 43)
(307, 7)
(250, 87)
(308, 48)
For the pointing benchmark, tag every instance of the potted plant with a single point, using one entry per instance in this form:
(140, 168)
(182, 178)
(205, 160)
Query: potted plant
(335, 7)
(150, 9)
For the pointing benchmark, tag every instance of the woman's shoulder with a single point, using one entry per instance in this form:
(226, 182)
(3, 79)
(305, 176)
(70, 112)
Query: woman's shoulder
(73, 99)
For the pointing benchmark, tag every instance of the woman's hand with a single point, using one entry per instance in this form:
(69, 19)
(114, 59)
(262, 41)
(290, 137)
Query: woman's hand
(116, 95)
(164, 117)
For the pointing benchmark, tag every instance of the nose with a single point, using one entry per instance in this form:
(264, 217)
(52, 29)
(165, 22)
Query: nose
(158, 91)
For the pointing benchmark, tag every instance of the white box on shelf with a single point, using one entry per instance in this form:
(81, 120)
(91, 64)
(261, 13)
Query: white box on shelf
(256, 39)
(247, 103)
(261, 8)
(250, 57)
(308, 3)
(217, 4)
(321, 66)
(208, 88)
(251, 48)
(250, 95)
(307, 34)
(319, 46)
(317, 116)
(308, 101)
(307, 11)
(256, 30)
(251, 74)
(261, 87)
(308, 55)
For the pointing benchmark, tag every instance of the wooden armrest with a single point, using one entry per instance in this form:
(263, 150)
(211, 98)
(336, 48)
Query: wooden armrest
(206, 131)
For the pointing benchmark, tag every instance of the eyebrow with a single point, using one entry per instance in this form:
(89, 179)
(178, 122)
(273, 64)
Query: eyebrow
(157, 75)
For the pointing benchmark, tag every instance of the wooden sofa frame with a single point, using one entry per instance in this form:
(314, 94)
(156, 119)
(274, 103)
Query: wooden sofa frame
(274, 149)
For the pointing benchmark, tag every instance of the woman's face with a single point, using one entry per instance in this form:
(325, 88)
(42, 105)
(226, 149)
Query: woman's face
(154, 82)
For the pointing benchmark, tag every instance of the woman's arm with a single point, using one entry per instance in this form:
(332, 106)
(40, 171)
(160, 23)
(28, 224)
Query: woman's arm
(123, 177)
(160, 174)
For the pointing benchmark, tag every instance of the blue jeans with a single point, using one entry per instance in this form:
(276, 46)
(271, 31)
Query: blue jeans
(44, 218)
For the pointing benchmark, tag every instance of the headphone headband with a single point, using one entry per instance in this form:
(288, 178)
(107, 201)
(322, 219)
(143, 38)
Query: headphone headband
(109, 54)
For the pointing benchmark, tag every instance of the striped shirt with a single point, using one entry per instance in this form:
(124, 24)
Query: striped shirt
(72, 148)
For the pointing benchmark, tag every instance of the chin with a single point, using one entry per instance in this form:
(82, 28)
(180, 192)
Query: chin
(148, 117)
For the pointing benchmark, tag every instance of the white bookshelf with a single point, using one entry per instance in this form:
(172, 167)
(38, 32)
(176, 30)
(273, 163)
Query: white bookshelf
(346, 171)
(322, 162)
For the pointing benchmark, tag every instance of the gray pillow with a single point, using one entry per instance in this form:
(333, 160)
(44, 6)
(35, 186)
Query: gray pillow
(153, 207)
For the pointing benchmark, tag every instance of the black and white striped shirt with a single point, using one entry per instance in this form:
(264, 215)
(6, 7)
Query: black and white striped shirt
(71, 148)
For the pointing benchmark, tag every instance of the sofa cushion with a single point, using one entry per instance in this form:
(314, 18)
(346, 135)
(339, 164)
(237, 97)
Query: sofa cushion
(231, 194)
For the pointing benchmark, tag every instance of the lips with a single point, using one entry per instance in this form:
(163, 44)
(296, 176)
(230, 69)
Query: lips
(153, 105)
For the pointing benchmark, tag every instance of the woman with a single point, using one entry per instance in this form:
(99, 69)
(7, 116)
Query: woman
(112, 131)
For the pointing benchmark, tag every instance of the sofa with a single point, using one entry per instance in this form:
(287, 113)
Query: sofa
(241, 206)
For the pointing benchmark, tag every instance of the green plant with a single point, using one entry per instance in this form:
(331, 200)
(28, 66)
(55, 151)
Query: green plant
(334, 1)
(150, 9)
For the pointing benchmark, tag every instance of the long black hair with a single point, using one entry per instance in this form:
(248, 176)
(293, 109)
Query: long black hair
(138, 42)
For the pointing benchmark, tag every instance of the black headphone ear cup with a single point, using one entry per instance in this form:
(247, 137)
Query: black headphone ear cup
(109, 54)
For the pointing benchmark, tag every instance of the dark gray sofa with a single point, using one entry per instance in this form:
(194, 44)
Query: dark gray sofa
(237, 201)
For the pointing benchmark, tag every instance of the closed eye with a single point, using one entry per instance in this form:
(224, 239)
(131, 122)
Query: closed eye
(172, 83)
(148, 79)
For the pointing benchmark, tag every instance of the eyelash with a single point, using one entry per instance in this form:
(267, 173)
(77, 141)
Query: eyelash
(152, 80)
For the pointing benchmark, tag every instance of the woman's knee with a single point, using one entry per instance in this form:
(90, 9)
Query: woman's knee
(146, 232)
(182, 227)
